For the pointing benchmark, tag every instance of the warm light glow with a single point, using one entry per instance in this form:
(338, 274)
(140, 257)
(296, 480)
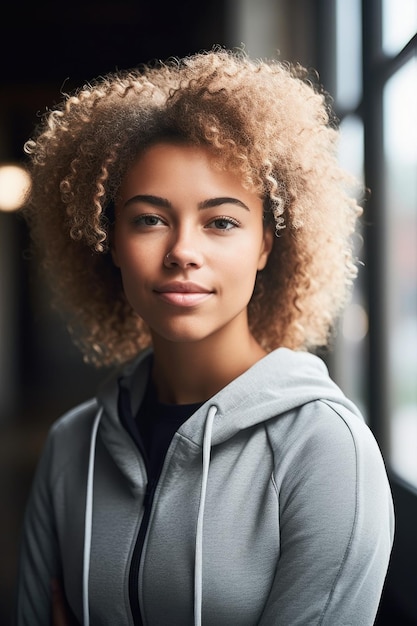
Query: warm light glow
(14, 184)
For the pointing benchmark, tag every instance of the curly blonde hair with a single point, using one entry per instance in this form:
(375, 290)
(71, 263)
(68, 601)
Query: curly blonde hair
(268, 121)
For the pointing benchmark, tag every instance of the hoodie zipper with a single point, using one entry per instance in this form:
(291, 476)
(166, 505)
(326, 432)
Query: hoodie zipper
(136, 557)
(153, 478)
(126, 418)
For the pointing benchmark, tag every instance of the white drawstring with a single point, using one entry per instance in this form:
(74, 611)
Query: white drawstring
(89, 518)
(198, 565)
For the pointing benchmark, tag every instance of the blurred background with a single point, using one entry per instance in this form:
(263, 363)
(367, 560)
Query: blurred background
(366, 54)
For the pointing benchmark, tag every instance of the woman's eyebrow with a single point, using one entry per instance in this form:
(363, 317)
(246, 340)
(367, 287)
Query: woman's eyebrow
(213, 202)
(149, 199)
(210, 203)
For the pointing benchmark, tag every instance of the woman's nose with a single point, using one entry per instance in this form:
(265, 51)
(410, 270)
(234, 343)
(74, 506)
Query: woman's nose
(184, 252)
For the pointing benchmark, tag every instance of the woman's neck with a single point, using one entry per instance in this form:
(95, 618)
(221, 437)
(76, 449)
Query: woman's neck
(184, 373)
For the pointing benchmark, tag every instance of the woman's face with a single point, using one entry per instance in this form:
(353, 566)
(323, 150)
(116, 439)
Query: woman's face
(189, 240)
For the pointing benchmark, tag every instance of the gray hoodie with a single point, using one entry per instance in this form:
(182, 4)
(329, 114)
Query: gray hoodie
(273, 508)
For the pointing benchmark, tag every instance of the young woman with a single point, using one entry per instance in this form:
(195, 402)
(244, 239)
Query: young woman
(197, 229)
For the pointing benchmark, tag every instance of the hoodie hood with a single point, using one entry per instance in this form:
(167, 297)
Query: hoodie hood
(280, 382)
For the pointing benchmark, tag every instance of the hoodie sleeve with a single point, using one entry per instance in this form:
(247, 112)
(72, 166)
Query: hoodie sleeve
(336, 523)
(53, 517)
(39, 560)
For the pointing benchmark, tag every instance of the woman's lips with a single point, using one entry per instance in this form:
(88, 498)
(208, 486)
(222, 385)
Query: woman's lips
(183, 298)
(183, 294)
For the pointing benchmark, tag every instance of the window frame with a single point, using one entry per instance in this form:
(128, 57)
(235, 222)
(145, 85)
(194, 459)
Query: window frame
(399, 601)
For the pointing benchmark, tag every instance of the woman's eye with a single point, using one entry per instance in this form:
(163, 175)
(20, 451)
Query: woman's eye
(224, 223)
(148, 220)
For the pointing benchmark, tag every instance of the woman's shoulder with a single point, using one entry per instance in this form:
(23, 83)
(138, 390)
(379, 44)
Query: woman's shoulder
(69, 435)
(75, 420)
(324, 432)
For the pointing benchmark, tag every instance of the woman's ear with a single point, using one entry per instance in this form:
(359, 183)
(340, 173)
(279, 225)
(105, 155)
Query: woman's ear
(267, 245)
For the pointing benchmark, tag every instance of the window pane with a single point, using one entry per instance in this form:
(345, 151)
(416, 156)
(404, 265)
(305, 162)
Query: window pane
(348, 53)
(400, 149)
(351, 155)
(399, 23)
(352, 339)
